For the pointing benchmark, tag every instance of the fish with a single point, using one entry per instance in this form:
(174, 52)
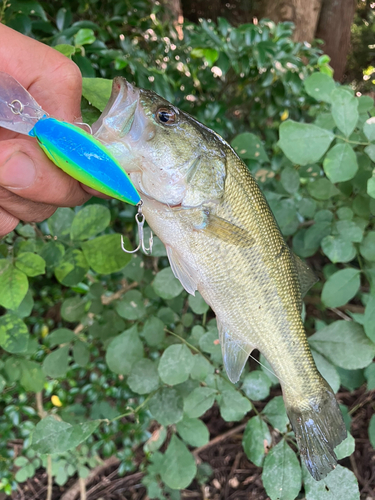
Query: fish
(222, 240)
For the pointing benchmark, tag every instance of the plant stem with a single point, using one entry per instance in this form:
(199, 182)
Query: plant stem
(136, 410)
(49, 476)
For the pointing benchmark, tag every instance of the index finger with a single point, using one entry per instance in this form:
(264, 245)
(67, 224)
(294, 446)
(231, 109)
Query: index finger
(51, 78)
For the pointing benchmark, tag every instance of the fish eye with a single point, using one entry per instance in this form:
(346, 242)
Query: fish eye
(166, 116)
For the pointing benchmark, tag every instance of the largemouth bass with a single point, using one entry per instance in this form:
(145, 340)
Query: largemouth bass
(222, 240)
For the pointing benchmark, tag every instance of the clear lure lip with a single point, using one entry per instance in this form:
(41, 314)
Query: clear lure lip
(19, 111)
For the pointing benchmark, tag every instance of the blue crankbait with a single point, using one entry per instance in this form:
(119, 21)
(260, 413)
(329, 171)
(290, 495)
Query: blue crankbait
(69, 147)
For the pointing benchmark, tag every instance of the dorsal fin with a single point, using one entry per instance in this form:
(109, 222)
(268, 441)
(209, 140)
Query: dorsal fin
(235, 352)
(306, 275)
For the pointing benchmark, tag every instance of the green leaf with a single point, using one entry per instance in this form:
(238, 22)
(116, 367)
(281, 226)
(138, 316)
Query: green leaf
(14, 335)
(52, 436)
(345, 344)
(197, 304)
(193, 431)
(13, 285)
(153, 331)
(32, 376)
(209, 55)
(341, 287)
(256, 385)
(123, 351)
(340, 163)
(327, 370)
(282, 474)
(370, 151)
(320, 86)
(166, 406)
(304, 143)
(55, 364)
(340, 484)
(104, 254)
(84, 36)
(199, 401)
(367, 246)
(131, 306)
(72, 268)
(166, 285)
(322, 189)
(345, 448)
(81, 353)
(30, 264)
(73, 309)
(52, 253)
(338, 249)
(26, 306)
(286, 216)
(90, 221)
(201, 368)
(144, 377)
(60, 222)
(370, 377)
(290, 180)
(156, 440)
(371, 431)
(344, 110)
(97, 91)
(175, 364)
(249, 146)
(371, 186)
(60, 336)
(369, 129)
(233, 406)
(369, 319)
(179, 465)
(255, 440)
(65, 49)
(276, 414)
(365, 103)
(349, 230)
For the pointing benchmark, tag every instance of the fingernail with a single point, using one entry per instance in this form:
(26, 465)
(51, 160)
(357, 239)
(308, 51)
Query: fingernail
(18, 172)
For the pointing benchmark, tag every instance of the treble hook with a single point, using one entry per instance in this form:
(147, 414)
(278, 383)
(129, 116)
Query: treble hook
(140, 220)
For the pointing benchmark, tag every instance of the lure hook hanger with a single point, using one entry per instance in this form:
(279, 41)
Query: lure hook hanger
(140, 220)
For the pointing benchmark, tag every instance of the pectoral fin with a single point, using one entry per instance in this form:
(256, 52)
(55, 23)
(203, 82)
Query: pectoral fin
(235, 352)
(187, 276)
(306, 275)
(226, 231)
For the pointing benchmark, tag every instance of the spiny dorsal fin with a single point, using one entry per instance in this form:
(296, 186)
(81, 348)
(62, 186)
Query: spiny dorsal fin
(235, 352)
(306, 275)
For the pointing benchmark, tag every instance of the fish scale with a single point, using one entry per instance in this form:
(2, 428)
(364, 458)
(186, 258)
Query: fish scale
(223, 240)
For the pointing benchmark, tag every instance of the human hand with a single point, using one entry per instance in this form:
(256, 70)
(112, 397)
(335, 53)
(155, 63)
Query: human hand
(31, 186)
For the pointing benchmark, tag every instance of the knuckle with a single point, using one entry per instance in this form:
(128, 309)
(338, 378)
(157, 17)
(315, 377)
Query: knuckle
(40, 213)
(7, 222)
(69, 74)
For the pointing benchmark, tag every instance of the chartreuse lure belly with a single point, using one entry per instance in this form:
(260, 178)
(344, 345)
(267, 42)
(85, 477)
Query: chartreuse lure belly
(73, 150)
(84, 158)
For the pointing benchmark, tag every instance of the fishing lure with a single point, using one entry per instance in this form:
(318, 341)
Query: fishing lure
(69, 147)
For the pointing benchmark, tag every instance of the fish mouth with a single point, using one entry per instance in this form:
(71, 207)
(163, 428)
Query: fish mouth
(118, 125)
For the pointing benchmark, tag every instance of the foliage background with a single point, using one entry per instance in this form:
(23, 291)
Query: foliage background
(90, 336)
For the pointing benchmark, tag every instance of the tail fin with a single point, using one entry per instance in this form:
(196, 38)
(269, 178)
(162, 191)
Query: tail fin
(319, 428)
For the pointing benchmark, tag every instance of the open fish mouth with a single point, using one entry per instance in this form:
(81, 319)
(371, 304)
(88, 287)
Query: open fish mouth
(118, 119)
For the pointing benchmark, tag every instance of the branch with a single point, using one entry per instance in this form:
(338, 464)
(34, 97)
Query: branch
(218, 439)
(125, 288)
(76, 489)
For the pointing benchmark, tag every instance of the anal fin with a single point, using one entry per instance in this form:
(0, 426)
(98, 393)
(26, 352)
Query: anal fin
(184, 273)
(235, 352)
